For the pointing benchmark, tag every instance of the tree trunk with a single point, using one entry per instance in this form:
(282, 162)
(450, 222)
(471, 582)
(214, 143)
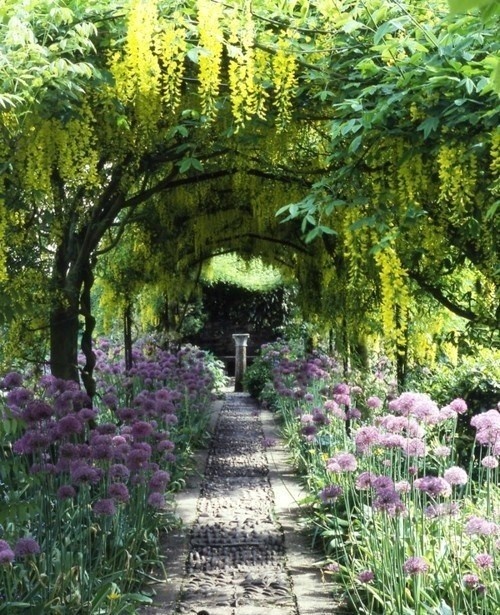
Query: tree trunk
(127, 335)
(87, 371)
(64, 341)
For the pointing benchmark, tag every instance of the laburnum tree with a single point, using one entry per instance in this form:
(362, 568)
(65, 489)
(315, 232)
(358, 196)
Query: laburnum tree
(179, 93)
(413, 186)
(170, 111)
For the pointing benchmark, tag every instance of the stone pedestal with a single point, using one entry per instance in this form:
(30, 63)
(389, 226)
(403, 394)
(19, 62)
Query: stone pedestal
(240, 364)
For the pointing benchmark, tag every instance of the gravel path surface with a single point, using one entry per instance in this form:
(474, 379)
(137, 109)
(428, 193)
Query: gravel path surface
(241, 550)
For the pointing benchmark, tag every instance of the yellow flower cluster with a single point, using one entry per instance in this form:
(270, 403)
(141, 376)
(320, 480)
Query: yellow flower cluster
(69, 147)
(495, 161)
(137, 72)
(171, 48)
(211, 43)
(458, 179)
(284, 67)
(395, 298)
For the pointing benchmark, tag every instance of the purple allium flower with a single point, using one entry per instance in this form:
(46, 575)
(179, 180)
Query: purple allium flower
(7, 556)
(342, 462)
(341, 389)
(68, 425)
(402, 486)
(330, 493)
(110, 400)
(415, 565)
(459, 405)
(159, 480)
(309, 429)
(433, 486)
(105, 507)
(484, 560)
(434, 511)
(442, 451)
(106, 429)
(37, 410)
(366, 437)
(18, 398)
(353, 414)
(447, 413)
(364, 480)
(87, 414)
(119, 471)
(66, 492)
(388, 500)
(171, 419)
(11, 380)
(365, 576)
(490, 462)
(332, 567)
(126, 414)
(414, 447)
(165, 445)
(142, 429)
(470, 581)
(26, 547)
(374, 402)
(480, 526)
(119, 492)
(82, 472)
(382, 482)
(138, 458)
(156, 500)
(456, 476)
(4, 545)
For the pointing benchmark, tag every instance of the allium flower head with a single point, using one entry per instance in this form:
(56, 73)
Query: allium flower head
(433, 486)
(490, 462)
(7, 556)
(365, 576)
(105, 507)
(366, 437)
(26, 547)
(456, 476)
(156, 500)
(442, 451)
(415, 565)
(480, 526)
(374, 402)
(119, 492)
(459, 405)
(66, 492)
(470, 581)
(330, 493)
(484, 560)
(11, 380)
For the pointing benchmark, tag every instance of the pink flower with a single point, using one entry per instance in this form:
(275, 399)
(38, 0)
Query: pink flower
(489, 462)
(343, 462)
(480, 526)
(456, 476)
(374, 402)
(442, 451)
(415, 565)
(366, 576)
(458, 405)
(366, 437)
(433, 486)
(484, 560)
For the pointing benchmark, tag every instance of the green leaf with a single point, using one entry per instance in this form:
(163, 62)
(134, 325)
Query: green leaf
(429, 125)
(462, 6)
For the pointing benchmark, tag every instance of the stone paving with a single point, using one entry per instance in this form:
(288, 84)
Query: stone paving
(241, 551)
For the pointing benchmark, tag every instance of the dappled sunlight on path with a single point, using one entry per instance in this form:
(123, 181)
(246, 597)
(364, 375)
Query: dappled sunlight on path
(242, 551)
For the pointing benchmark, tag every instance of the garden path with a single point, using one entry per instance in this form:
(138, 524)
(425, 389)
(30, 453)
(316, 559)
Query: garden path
(241, 549)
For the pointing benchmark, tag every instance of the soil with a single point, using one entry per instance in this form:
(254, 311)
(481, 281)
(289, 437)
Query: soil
(241, 548)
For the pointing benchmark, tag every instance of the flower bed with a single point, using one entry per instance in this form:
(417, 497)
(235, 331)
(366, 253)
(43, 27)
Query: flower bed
(87, 487)
(405, 528)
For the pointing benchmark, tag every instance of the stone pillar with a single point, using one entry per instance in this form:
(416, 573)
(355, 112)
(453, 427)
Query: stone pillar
(240, 355)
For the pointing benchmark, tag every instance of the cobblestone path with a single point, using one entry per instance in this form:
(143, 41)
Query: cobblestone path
(241, 555)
